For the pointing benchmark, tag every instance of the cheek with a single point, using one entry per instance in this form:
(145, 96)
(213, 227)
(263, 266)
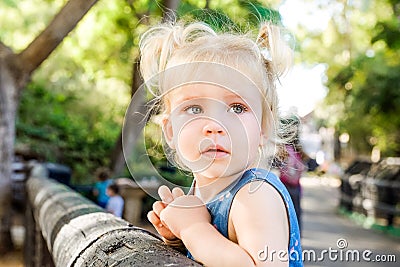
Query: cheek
(246, 129)
(186, 138)
(248, 144)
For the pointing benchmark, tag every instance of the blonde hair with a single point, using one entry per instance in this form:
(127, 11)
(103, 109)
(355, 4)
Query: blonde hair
(262, 60)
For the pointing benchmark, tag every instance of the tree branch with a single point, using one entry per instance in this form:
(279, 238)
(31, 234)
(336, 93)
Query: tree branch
(4, 49)
(62, 24)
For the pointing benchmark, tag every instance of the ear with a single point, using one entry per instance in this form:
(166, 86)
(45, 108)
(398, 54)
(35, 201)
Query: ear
(168, 132)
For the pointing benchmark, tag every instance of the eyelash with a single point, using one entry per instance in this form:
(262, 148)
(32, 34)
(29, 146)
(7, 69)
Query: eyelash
(193, 106)
(235, 105)
(243, 107)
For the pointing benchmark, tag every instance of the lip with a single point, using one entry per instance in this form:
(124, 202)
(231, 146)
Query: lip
(215, 152)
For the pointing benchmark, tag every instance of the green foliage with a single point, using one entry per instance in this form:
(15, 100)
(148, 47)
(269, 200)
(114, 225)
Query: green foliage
(258, 12)
(19, 20)
(215, 18)
(55, 126)
(389, 33)
(372, 104)
(361, 47)
(235, 16)
(10, 3)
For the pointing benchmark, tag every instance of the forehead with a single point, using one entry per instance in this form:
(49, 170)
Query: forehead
(211, 92)
(206, 78)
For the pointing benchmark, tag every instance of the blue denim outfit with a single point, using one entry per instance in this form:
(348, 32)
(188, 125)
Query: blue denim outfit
(219, 208)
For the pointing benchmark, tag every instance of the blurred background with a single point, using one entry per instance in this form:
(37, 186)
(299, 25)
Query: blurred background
(344, 86)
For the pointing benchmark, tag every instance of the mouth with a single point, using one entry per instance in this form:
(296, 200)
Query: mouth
(215, 152)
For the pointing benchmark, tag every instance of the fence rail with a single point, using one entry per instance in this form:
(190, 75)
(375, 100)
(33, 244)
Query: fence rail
(65, 229)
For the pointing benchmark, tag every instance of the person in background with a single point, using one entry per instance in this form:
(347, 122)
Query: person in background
(115, 204)
(292, 168)
(100, 187)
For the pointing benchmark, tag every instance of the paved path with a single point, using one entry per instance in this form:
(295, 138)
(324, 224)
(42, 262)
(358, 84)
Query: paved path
(324, 228)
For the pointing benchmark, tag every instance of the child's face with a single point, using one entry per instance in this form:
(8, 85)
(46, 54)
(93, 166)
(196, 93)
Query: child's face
(215, 131)
(109, 192)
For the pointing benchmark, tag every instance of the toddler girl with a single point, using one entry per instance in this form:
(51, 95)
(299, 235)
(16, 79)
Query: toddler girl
(219, 121)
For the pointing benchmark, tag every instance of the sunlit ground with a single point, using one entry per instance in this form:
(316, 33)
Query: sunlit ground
(314, 181)
(377, 224)
(15, 258)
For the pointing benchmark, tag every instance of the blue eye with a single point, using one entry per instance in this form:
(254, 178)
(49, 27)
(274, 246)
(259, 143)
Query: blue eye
(237, 108)
(194, 109)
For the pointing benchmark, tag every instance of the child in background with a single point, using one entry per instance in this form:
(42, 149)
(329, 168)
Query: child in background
(220, 121)
(100, 187)
(115, 204)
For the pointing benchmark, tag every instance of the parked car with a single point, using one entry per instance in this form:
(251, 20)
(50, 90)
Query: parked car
(351, 198)
(21, 171)
(19, 175)
(381, 190)
(55, 171)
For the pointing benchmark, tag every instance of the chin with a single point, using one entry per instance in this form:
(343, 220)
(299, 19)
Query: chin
(221, 171)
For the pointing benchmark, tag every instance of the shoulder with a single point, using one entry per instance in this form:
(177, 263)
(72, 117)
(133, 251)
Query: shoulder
(258, 202)
(111, 200)
(259, 194)
(259, 191)
(116, 200)
(120, 199)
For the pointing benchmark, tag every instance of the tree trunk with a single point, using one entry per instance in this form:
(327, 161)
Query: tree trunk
(117, 157)
(169, 10)
(15, 71)
(8, 105)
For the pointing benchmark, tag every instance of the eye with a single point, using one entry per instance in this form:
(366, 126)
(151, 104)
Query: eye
(237, 108)
(194, 109)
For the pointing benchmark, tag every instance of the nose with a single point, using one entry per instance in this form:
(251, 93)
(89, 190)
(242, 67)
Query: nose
(213, 127)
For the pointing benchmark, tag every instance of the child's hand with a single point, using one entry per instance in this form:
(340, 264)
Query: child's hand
(184, 212)
(154, 216)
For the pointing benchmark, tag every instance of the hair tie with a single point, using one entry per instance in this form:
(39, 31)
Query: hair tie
(263, 41)
(266, 54)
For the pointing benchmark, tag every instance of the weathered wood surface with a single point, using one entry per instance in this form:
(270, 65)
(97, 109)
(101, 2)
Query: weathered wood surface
(79, 233)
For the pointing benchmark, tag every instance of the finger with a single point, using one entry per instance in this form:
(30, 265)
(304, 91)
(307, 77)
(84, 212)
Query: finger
(158, 206)
(177, 192)
(154, 219)
(165, 194)
(160, 228)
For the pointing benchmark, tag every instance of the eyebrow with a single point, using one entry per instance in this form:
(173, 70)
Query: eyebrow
(187, 98)
(190, 97)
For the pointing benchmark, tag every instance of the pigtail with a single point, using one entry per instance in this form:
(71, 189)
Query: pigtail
(278, 59)
(278, 56)
(156, 46)
(159, 43)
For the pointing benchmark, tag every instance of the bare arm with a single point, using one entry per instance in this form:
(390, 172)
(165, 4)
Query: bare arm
(211, 248)
(259, 220)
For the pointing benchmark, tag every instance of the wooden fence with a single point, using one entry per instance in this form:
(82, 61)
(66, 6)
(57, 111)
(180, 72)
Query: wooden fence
(65, 229)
